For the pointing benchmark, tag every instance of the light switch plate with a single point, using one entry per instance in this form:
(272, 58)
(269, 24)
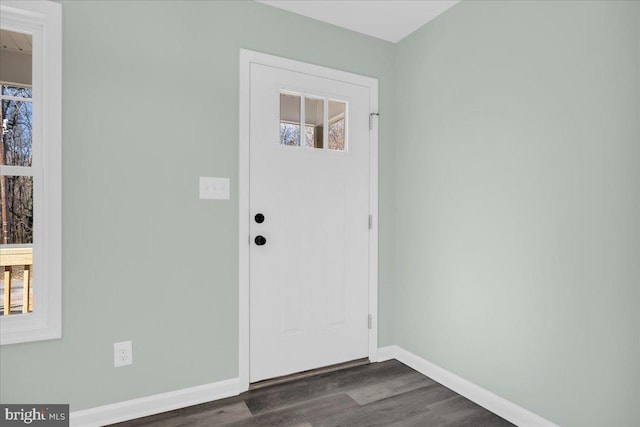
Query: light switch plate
(214, 188)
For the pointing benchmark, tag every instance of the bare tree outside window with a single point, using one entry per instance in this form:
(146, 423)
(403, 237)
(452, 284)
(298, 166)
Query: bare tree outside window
(16, 192)
(16, 200)
(289, 134)
(336, 135)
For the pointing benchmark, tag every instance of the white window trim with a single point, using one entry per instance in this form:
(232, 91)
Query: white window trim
(43, 20)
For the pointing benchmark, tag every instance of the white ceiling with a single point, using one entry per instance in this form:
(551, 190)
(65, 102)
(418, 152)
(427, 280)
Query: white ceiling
(18, 42)
(390, 20)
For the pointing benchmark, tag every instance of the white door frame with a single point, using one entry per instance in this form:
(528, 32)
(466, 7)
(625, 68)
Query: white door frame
(247, 57)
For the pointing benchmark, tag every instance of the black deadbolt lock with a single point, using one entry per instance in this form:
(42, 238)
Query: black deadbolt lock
(260, 240)
(259, 218)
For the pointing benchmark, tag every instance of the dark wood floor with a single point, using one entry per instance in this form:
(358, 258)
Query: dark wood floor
(376, 394)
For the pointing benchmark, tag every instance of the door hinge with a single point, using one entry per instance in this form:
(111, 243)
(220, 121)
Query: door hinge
(370, 221)
(371, 115)
(369, 321)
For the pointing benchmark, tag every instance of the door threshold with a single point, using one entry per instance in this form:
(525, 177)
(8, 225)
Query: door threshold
(309, 373)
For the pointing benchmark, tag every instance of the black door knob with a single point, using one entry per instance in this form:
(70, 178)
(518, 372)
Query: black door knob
(260, 240)
(259, 218)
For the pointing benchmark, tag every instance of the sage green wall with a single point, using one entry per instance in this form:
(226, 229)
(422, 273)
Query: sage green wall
(516, 207)
(150, 104)
(518, 203)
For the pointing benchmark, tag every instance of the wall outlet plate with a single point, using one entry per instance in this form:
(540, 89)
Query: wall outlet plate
(122, 354)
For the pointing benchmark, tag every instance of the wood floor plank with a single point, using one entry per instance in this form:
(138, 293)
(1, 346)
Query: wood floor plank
(235, 412)
(387, 394)
(455, 409)
(164, 419)
(461, 411)
(485, 419)
(198, 416)
(282, 396)
(309, 412)
(388, 388)
(422, 419)
(391, 410)
(482, 418)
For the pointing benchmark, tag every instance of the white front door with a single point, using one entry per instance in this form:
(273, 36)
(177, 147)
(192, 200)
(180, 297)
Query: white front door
(309, 228)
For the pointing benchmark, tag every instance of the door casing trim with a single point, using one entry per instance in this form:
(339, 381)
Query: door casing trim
(247, 57)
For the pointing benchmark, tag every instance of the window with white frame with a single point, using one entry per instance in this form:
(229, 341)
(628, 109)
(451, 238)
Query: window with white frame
(317, 113)
(30, 174)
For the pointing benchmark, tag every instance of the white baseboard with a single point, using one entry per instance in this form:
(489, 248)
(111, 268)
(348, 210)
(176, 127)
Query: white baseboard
(150, 405)
(386, 353)
(494, 403)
